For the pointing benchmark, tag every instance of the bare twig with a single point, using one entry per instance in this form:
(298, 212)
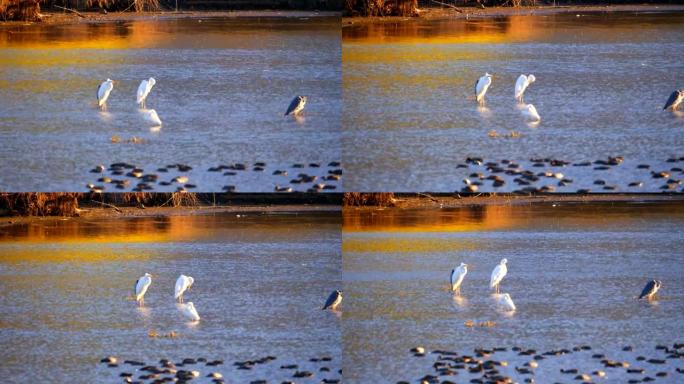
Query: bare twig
(108, 205)
(79, 14)
(447, 5)
(428, 196)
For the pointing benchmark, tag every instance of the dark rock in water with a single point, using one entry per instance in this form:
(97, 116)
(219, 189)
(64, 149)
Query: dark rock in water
(125, 374)
(133, 362)
(582, 164)
(297, 165)
(279, 172)
(334, 164)
(165, 183)
(569, 371)
(189, 186)
(636, 184)
(260, 164)
(598, 356)
(229, 173)
(601, 168)
(643, 166)
(599, 182)
(640, 358)
(636, 370)
(609, 187)
(290, 366)
(661, 374)
(335, 172)
(258, 169)
(314, 165)
(656, 361)
(229, 188)
(660, 175)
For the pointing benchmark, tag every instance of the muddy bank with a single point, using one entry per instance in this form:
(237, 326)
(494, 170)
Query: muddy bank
(54, 17)
(450, 200)
(467, 13)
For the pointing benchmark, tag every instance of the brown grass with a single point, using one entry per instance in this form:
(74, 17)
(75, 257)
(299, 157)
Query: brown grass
(357, 199)
(381, 7)
(20, 10)
(39, 204)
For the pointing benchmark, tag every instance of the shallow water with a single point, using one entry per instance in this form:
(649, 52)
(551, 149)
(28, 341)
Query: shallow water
(260, 281)
(223, 85)
(574, 271)
(602, 81)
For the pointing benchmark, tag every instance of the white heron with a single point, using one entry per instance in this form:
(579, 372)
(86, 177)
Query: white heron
(296, 106)
(150, 115)
(457, 276)
(675, 100)
(481, 87)
(530, 113)
(141, 286)
(521, 85)
(188, 310)
(103, 92)
(333, 301)
(650, 289)
(144, 89)
(182, 284)
(498, 274)
(505, 302)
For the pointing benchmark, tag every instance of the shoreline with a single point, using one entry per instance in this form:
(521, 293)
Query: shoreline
(450, 200)
(55, 17)
(431, 13)
(92, 212)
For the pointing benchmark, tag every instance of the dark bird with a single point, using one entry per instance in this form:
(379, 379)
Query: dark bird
(334, 300)
(650, 289)
(675, 99)
(296, 106)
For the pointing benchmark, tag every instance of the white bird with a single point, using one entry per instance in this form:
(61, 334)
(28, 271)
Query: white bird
(498, 274)
(521, 85)
(150, 115)
(481, 87)
(188, 310)
(457, 276)
(144, 89)
(103, 92)
(506, 302)
(182, 284)
(141, 286)
(530, 113)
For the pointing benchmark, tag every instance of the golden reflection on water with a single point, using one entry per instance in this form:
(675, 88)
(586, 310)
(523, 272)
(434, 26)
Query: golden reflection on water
(497, 217)
(56, 240)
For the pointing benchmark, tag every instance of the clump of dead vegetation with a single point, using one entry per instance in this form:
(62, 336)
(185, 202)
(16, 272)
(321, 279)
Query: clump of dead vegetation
(358, 199)
(39, 204)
